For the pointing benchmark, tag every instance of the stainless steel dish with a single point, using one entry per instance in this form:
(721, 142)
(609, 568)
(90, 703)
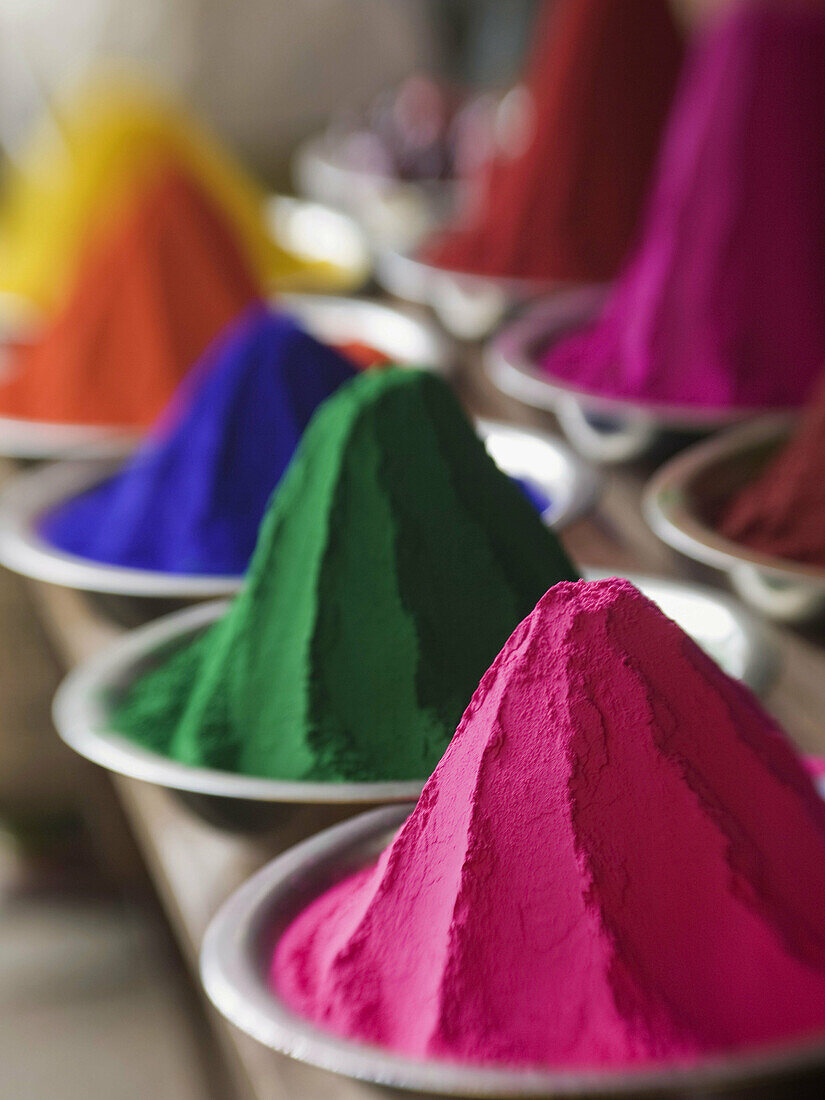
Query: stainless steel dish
(239, 941)
(683, 500)
(393, 213)
(604, 429)
(82, 714)
(317, 233)
(469, 306)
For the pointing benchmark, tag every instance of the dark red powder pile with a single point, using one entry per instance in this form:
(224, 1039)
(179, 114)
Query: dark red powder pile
(782, 512)
(601, 79)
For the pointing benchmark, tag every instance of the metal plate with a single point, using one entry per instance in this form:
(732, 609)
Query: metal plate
(542, 461)
(39, 439)
(312, 231)
(684, 495)
(606, 429)
(234, 959)
(406, 336)
(393, 213)
(83, 704)
(469, 306)
(317, 233)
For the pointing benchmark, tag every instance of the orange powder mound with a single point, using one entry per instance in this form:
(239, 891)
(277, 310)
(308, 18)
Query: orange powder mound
(95, 146)
(149, 296)
(362, 355)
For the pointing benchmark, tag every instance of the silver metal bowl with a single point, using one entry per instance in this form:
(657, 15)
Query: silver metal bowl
(684, 498)
(234, 964)
(315, 232)
(469, 306)
(604, 429)
(393, 213)
(406, 336)
(84, 702)
(545, 462)
(40, 439)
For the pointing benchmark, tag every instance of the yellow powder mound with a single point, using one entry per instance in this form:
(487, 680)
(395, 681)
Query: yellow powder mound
(79, 165)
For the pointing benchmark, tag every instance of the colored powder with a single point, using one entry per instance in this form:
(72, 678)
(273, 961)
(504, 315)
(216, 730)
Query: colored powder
(537, 497)
(362, 355)
(393, 561)
(723, 304)
(149, 298)
(192, 498)
(565, 206)
(102, 143)
(782, 512)
(619, 861)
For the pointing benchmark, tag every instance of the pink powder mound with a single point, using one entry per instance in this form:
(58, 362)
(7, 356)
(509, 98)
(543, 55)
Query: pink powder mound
(723, 303)
(619, 860)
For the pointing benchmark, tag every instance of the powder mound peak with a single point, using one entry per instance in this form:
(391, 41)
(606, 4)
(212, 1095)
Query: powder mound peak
(393, 562)
(699, 316)
(149, 296)
(603, 870)
(192, 498)
(96, 145)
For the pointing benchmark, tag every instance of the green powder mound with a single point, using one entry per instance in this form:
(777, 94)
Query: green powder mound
(393, 563)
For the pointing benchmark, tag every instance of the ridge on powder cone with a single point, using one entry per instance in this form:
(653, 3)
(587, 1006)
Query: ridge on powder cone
(393, 561)
(605, 870)
(192, 498)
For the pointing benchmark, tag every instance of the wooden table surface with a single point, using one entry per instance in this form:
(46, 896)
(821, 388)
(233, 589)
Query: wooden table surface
(196, 865)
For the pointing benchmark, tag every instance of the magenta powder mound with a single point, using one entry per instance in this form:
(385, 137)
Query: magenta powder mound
(618, 862)
(723, 303)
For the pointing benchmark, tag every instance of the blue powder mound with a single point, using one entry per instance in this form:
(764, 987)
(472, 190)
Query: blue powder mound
(192, 497)
(537, 497)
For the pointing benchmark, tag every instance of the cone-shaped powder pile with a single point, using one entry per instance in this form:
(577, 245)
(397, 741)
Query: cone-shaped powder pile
(723, 303)
(149, 297)
(394, 560)
(192, 498)
(782, 512)
(565, 204)
(104, 141)
(619, 860)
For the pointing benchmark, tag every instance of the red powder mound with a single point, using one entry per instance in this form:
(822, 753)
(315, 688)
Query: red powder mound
(619, 861)
(601, 81)
(149, 297)
(782, 512)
